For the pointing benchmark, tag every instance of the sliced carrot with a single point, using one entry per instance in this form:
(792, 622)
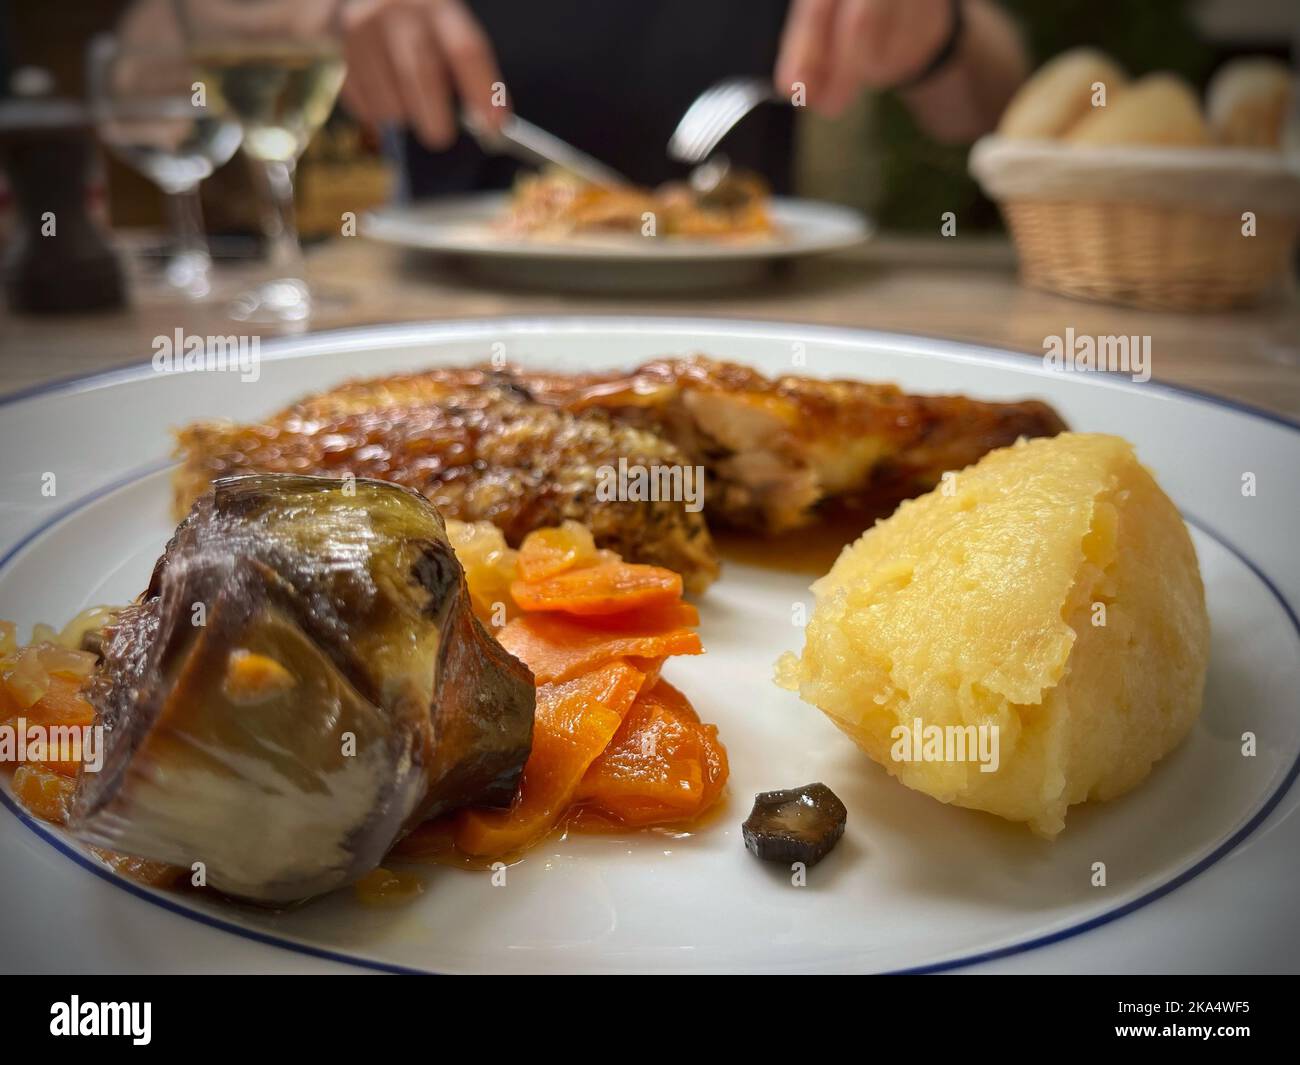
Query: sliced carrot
(143, 870)
(606, 588)
(666, 615)
(650, 667)
(43, 792)
(715, 765)
(546, 552)
(62, 704)
(557, 648)
(62, 707)
(656, 753)
(10, 708)
(662, 767)
(574, 722)
(65, 768)
(595, 631)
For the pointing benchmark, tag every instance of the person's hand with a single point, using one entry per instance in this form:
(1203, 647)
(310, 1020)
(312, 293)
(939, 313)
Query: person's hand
(837, 48)
(411, 61)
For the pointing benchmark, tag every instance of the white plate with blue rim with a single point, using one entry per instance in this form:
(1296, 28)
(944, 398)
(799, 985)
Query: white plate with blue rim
(1201, 859)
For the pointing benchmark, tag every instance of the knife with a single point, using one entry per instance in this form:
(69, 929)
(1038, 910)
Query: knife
(532, 144)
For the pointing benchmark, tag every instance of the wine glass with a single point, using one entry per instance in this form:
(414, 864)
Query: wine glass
(276, 66)
(143, 104)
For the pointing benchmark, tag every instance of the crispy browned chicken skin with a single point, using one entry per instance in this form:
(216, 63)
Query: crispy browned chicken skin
(521, 448)
(777, 448)
(474, 445)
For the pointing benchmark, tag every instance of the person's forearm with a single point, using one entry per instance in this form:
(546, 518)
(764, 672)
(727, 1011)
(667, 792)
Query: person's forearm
(964, 98)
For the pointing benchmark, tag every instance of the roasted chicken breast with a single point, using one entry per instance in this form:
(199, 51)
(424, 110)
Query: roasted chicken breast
(775, 448)
(523, 449)
(479, 448)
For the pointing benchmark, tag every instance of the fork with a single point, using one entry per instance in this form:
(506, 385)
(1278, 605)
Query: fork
(715, 111)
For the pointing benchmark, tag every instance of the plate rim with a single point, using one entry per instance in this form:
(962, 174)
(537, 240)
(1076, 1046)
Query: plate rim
(161, 899)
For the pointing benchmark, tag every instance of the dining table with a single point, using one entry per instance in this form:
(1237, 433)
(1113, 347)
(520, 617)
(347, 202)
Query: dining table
(964, 289)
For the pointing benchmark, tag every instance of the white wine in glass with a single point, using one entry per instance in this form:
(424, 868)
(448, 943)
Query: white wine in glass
(276, 67)
(281, 92)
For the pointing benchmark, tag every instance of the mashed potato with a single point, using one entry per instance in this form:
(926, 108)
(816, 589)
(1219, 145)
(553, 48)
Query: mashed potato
(1049, 596)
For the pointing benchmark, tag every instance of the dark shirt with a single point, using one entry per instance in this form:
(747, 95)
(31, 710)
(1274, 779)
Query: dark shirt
(614, 77)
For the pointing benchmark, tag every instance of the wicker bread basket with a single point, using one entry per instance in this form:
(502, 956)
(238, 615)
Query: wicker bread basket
(1146, 226)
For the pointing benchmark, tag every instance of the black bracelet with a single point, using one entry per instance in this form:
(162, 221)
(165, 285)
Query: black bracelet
(944, 53)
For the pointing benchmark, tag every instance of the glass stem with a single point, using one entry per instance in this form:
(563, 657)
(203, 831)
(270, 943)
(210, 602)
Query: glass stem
(283, 252)
(188, 262)
(186, 216)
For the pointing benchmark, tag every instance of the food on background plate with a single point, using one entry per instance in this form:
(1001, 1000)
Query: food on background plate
(555, 204)
(1043, 613)
(1157, 109)
(795, 824)
(526, 449)
(302, 682)
(1247, 102)
(1060, 93)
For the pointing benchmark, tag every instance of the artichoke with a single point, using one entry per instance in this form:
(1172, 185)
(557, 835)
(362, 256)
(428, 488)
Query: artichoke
(302, 683)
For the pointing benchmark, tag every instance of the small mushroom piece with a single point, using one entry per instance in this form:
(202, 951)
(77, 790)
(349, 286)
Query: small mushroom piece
(796, 825)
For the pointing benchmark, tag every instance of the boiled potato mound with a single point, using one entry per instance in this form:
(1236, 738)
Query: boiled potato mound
(976, 605)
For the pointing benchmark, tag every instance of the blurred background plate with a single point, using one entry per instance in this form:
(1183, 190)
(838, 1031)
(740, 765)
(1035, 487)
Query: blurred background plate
(463, 227)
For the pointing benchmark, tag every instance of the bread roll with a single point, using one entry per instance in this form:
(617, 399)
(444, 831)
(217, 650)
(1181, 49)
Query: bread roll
(1157, 109)
(1247, 102)
(1060, 94)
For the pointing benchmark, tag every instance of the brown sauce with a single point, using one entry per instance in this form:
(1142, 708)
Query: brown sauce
(810, 551)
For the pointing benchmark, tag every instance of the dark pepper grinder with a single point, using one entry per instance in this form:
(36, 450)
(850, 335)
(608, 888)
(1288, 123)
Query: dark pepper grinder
(59, 261)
